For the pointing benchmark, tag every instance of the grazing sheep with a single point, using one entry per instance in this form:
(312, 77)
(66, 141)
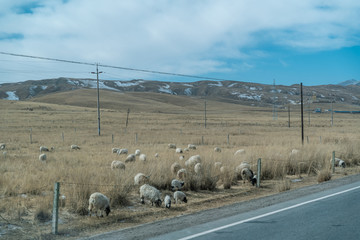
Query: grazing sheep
(100, 202)
(239, 152)
(130, 158)
(2, 146)
(44, 149)
(167, 201)
(186, 149)
(172, 145)
(117, 165)
(122, 151)
(176, 184)
(239, 168)
(175, 167)
(142, 157)
(339, 162)
(137, 152)
(156, 155)
(247, 174)
(150, 193)
(217, 149)
(42, 157)
(182, 173)
(180, 196)
(140, 178)
(198, 168)
(75, 147)
(192, 161)
(179, 150)
(115, 150)
(182, 157)
(191, 146)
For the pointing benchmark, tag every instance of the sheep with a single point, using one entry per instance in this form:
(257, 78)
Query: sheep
(186, 149)
(191, 146)
(130, 158)
(156, 155)
(172, 145)
(179, 150)
(137, 152)
(217, 149)
(180, 196)
(247, 174)
(115, 150)
(42, 157)
(117, 164)
(100, 202)
(75, 147)
(2, 146)
(338, 162)
(122, 151)
(44, 149)
(198, 168)
(167, 201)
(239, 152)
(140, 178)
(150, 193)
(192, 161)
(182, 173)
(142, 157)
(182, 157)
(176, 184)
(175, 167)
(241, 167)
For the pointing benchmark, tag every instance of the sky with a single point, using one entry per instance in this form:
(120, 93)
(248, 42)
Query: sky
(315, 42)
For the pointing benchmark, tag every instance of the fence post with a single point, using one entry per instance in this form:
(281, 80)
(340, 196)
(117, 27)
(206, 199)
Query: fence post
(258, 176)
(55, 216)
(112, 138)
(30, 135)
(62, 135)
(228, 139)
(136, 138)
(333, 162)
(202, 140)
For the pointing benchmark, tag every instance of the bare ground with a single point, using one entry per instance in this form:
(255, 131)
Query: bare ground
(72, 226)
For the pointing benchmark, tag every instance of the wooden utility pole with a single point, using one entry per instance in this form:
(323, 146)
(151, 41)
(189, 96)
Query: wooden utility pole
(302, 114)
(98, 96)
(205, 114)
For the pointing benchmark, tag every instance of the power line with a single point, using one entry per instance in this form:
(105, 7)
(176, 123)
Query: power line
(116, 67)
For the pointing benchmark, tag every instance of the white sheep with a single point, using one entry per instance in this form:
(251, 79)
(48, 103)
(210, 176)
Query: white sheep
(2, 146)
(182, 173)
(122, 151)
(192, 161)
(130, 158)
(140, 178)
(172, 145)
(179, 150)
(167, 201)
(142, 157)
(182, 157)
(176, 184)
(150, 193)
(239, 152)
(75, 147)
(175, 167)
(198, 168)
(186, 149)
(156, 155)
(100, 202)
(44, 149)
(338, 162)
(42, 157)
(117, 165)
(115, 150)
(137, 152)
(180, 196)
(191, 146)
(241, 167)
(217, 149)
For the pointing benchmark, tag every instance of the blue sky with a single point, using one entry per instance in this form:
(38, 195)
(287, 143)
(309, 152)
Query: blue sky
(311, 41)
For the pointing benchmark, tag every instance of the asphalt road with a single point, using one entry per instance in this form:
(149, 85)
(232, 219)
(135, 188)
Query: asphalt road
(329, 210)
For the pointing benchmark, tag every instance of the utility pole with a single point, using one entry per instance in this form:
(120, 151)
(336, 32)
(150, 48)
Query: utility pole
(205, 113)
(274, 100)
(98, 95)
(302, 114)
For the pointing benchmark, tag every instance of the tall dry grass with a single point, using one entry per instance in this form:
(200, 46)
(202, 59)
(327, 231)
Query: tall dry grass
(88, 170)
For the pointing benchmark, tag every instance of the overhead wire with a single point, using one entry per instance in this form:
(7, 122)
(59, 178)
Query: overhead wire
(116, 67)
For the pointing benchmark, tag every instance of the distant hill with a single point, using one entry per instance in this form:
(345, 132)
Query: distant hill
(350, 82)
(250, 94)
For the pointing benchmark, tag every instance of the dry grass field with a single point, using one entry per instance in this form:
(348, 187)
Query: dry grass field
(155, 120)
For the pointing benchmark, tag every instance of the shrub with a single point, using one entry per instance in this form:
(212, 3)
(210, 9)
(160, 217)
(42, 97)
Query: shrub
(323, 176)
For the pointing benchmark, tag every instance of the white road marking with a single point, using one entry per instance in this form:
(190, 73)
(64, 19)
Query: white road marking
(266, 214)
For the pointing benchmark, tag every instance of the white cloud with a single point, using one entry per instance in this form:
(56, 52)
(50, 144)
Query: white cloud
(190, 37)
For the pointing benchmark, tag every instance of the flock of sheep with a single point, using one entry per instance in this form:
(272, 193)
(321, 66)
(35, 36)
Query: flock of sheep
(100, 202)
